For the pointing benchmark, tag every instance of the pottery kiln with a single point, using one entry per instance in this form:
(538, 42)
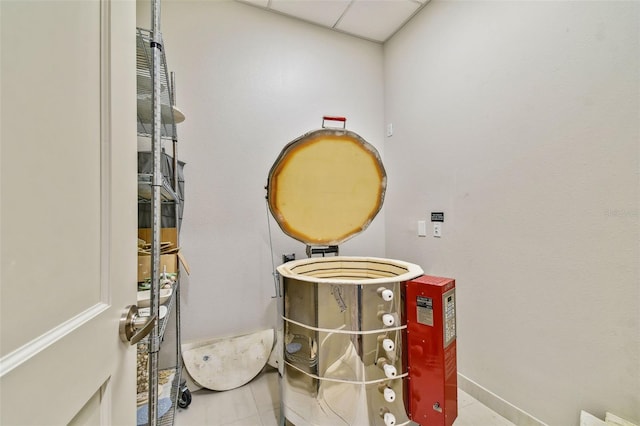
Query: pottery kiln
(342, 318)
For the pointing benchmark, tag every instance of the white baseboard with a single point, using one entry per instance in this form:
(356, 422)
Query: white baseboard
(504, 408)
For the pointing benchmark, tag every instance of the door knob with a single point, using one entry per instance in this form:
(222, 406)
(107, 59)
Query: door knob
(134, 327)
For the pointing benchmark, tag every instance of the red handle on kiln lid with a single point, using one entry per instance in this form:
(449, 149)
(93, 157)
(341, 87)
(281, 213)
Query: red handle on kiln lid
(334, 118)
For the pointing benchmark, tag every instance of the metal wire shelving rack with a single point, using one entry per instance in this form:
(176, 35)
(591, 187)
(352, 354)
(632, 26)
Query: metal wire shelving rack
(157, 119)
(144, 88)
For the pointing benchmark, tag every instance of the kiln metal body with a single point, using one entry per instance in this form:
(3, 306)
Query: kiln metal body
(342, 322)
(343, 342)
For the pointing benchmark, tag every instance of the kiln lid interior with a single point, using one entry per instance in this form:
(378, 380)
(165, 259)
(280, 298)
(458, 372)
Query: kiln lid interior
(326, 187)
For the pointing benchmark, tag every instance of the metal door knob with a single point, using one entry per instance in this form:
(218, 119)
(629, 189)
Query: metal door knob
(134, 327)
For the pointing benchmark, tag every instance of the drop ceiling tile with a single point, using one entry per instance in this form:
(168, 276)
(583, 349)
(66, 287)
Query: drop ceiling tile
(377, 19)
(260, 3)
(321, 12)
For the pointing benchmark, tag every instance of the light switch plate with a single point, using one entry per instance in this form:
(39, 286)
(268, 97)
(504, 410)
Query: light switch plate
(422, 228)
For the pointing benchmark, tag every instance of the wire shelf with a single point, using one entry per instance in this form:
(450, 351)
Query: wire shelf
(145, 181)
(145, 89)
(168, 418)
(162, 323)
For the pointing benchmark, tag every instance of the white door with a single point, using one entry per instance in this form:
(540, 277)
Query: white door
(68, 211)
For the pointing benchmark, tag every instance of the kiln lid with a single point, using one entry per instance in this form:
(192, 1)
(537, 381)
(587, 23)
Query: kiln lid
(326, 186)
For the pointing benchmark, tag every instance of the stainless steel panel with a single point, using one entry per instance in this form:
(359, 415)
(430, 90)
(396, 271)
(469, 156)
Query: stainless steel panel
(340, 403)
(340, 306)
(343, 341)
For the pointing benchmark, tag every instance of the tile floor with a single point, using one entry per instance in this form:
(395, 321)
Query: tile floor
(258, 404)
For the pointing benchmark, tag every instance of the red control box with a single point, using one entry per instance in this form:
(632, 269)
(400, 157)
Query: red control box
(432, 383)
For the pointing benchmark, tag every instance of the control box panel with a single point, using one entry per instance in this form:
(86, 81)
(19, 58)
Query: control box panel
(432, 383)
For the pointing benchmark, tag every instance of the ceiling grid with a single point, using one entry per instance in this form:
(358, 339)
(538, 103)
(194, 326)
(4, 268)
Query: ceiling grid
(374, 20)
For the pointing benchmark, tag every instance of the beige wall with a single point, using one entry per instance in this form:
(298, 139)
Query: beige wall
(520, 120)
(250, 82)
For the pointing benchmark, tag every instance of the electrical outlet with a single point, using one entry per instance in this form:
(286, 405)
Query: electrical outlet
(437, 229)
